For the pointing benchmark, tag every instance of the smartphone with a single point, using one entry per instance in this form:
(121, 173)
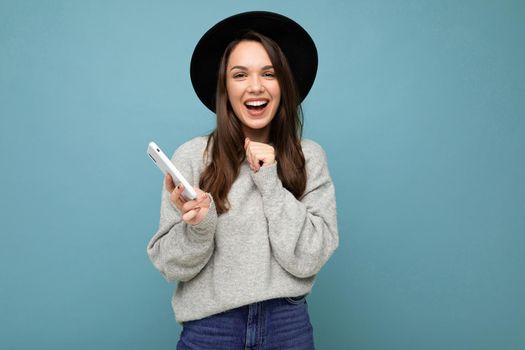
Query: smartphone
(166, 166)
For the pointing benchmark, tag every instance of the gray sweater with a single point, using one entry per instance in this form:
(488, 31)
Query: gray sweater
(268, 245)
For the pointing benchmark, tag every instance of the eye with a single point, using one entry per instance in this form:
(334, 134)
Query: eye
(269, 74)
(239, 75)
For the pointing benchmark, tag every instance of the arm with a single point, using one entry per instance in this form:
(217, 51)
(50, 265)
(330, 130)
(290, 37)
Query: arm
(180, 250)
(303, 233)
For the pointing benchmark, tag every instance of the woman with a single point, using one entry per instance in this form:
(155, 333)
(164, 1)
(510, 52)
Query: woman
(245, 252)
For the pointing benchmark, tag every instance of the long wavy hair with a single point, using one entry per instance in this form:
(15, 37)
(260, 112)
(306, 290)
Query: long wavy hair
(226, 143)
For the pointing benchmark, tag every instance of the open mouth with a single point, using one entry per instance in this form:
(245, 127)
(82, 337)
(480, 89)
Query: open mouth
(258, 105)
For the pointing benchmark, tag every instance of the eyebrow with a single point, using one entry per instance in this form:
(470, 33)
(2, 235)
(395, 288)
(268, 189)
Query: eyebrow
(244, 68)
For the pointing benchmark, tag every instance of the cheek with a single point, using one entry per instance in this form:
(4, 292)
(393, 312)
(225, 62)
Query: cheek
(277, 97)
(230, 95)
(233, 94)
(276, 93)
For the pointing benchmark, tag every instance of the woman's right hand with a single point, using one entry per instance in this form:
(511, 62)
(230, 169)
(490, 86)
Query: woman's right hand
(192, 211)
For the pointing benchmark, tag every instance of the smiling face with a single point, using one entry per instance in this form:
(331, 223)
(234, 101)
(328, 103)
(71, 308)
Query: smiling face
(253, 89)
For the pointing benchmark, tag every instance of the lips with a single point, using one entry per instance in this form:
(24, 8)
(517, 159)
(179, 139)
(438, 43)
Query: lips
(256, 107)
(256, 104)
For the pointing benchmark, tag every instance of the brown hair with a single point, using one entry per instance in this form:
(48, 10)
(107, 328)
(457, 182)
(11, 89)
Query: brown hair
(226, 142)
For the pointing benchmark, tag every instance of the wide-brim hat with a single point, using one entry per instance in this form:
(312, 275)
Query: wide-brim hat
(294, 41)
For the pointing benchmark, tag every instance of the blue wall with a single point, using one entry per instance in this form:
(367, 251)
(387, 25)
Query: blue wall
(419, 105)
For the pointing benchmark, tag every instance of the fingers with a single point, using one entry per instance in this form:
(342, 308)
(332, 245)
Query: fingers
(258, 154)
(250, 154)
(202, 201)
(176, 196)
(194, 211)
(190, 216)
(168, 182)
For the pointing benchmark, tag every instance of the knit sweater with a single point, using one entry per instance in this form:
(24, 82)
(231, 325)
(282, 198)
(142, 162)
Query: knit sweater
(268, 245)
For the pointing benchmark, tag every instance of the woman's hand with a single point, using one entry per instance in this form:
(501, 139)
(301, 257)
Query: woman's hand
(258, 154)
(193, 211)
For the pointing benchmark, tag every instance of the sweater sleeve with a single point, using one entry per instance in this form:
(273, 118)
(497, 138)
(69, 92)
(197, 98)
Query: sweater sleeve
(303, 233)
(178, 250)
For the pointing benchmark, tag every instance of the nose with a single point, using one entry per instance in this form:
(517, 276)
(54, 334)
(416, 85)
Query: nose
(256, 85)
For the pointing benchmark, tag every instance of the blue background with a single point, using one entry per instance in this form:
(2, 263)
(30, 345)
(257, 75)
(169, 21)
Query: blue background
(418, 104)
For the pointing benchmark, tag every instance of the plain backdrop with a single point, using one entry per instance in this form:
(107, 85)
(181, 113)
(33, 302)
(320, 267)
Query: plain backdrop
(418, 104)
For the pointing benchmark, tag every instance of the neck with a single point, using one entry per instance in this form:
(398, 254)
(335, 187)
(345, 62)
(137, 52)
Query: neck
(258, 135)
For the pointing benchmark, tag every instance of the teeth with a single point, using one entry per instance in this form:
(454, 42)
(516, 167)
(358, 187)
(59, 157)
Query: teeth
(255, 103)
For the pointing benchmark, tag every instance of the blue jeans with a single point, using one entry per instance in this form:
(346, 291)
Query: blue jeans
(271, 324)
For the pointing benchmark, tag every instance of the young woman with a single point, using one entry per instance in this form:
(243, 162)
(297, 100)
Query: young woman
(245, 252)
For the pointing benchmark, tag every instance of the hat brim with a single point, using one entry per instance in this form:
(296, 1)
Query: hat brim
(294, 41)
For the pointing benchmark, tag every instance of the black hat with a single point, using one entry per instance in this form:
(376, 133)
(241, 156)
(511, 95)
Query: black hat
(294, 41)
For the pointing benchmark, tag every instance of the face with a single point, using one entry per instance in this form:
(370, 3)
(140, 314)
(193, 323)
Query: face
(253, 89)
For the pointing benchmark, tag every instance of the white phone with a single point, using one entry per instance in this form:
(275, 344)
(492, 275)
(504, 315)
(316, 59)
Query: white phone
(166, 166)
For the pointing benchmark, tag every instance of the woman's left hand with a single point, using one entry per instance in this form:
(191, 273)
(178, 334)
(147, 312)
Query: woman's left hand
(258, 154)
